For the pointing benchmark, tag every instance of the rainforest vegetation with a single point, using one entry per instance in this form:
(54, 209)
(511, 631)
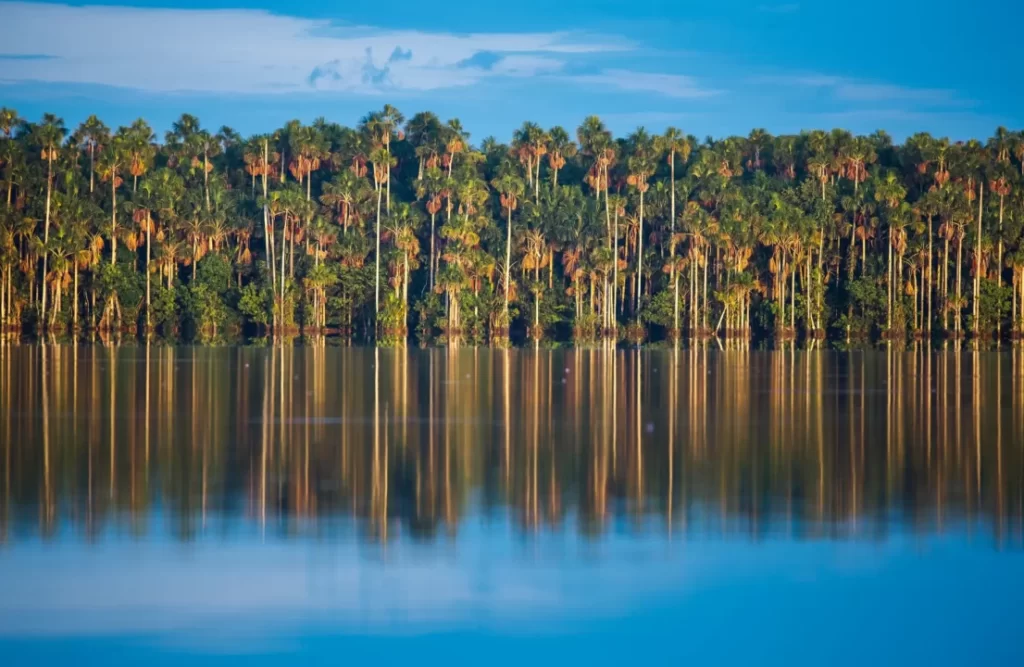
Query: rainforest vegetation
(404, 229)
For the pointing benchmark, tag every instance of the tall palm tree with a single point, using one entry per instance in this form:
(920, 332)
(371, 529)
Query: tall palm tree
(510, 188)
(139, 140)
(891, 193)
(91, 135)
(672, 143)
(560, 148)
(382, 163)
(641, 167)
(112, 161)
(49, 136)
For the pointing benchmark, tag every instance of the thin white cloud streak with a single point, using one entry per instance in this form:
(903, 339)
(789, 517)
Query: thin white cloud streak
(852, 90)
(243, 51)
(669, 85)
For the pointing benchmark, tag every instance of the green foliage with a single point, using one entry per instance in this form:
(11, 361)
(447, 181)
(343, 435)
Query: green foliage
(256, 304)
(749, 211)
(164, 314)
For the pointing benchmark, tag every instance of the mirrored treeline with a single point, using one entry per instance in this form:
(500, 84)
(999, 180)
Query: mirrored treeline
(312, 441)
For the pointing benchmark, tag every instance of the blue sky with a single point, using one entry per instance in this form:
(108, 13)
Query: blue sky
(714, 68)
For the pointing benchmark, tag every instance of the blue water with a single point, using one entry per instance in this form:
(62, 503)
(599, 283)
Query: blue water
(872, 514)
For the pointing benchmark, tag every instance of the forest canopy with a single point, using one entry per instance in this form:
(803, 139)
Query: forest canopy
(399, 229)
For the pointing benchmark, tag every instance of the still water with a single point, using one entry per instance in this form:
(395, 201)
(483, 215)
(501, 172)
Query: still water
(331, 505)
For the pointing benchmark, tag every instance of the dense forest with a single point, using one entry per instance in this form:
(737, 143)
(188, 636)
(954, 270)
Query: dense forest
(402, 229)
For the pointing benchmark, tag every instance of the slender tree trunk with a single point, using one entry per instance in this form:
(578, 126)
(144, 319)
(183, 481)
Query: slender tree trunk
(671, 241)
(931, 281)
(92, 165)
(977, 262)
(206, 179)
(959, 281)
(113, 218)
(284, 248)
(508, 259)
(945, 287)
(999, 263)
(615, 255)
(149, 247)
(46, 232)
(640, 256)
(376, 298)
(537, 183)
(432, 218)
(782, 292)
(704, 310)
(888, 317)
(792, 297)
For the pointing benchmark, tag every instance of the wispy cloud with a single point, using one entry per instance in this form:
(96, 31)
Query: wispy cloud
(669, 85)
(852, 90)
(243, 51)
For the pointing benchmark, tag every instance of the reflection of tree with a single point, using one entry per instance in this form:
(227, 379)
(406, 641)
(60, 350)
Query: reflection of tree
(415, 443)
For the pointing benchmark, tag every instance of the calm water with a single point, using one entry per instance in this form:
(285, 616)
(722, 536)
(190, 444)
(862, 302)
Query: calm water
(343, 505)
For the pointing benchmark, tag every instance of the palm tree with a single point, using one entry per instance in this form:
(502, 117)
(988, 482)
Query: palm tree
(91, 135)
(673, 142)
(641, 167)
(139, 140)
(559, 149)
(431, 188)
(384, 126)
(49, 136)
(112, 161)
(382, 163)
(510, 188)
(891, 193)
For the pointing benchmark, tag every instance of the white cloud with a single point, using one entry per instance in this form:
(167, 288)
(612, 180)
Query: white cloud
(669, 85)
(243, 51)
(853, 90)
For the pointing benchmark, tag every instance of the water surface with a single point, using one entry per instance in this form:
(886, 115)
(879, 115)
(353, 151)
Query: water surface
(237, 505)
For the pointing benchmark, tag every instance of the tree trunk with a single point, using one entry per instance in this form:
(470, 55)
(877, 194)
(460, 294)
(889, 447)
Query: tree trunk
(671, 240)
(149, 246)
(959, 282)
(999, 262)
(376, 298)
(113, 218)
(432, 218)
(640, 256)
(508, 259)
(284, 247)
(206, 179)
(945, 287)
(977, 262)
(704, 310)
(46, 231)
(615, 254)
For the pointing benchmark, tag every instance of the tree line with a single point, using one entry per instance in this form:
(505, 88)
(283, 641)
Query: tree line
(398, 229)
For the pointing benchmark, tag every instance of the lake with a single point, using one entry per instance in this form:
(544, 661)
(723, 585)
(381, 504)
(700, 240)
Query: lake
(342, 505)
